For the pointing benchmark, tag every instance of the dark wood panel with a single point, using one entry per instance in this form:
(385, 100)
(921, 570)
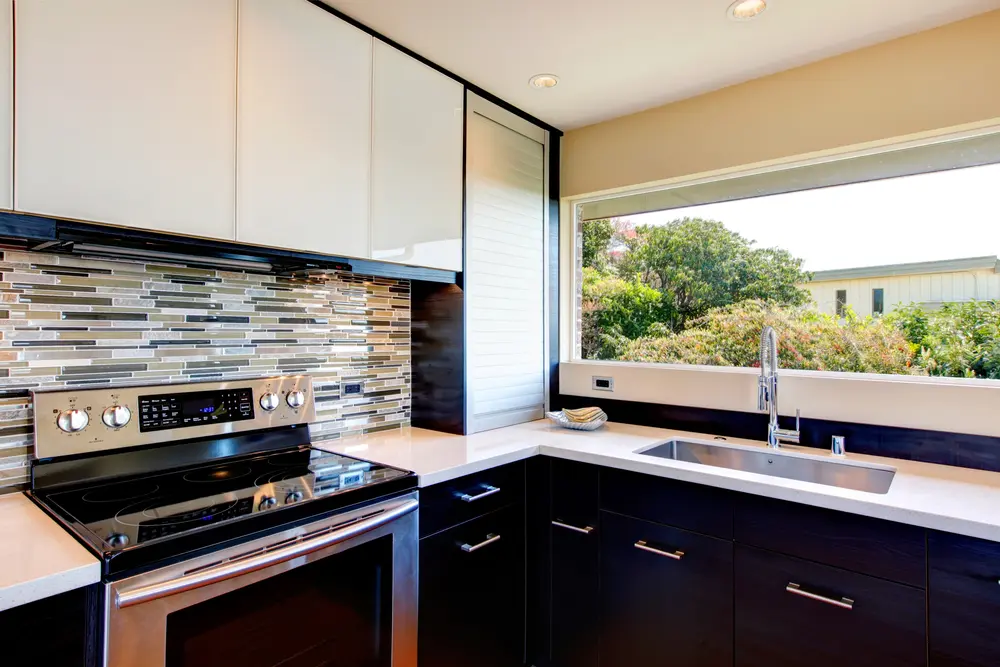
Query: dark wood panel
(538, 549)
(774, 628)
(58, 631)
(437, 341)
(690, 506)
(659, 611)
(884, 549)
(964, 594)
(472, 603)
(955, 449)
(442, 506)
(575, 565)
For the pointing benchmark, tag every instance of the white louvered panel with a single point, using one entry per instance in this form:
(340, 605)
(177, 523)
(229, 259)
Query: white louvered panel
(505, 277)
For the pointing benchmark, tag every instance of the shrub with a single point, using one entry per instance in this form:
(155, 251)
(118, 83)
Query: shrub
(730, 336)
(960, 340)
(616, 310)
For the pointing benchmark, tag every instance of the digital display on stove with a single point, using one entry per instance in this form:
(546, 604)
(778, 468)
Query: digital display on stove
(183, 410)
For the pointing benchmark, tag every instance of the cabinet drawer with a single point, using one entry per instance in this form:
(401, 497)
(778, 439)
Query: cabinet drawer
(666, 595)
(880, 548)
(472, 593)
(964, 592)
(450, 503)
(793, 612)
(690, 506)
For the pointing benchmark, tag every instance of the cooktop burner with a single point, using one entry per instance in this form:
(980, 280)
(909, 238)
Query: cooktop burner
(165, 512)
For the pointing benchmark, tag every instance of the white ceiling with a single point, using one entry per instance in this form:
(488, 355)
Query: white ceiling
(615, 57)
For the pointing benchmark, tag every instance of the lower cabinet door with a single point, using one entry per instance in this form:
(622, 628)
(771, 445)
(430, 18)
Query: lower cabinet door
(791, 612)
(666, 596)
(472, 593)
(964, 613)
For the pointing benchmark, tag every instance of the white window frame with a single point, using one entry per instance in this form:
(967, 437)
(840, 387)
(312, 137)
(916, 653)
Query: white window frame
(933, 403)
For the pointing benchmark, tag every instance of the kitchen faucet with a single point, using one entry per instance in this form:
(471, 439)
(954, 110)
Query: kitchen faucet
(767, 391)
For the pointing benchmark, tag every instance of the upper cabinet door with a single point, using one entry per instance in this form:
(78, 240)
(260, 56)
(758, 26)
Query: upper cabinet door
(304, 129)
(6, 103)
(125, 113)
(417, 163)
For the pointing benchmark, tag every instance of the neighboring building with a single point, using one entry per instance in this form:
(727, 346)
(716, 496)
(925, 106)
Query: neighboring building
(880, 289)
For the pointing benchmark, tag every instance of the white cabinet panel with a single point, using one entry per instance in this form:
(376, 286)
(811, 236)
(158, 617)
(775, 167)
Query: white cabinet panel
(417, 163)
(6, 103)
(125, 112)
(304, 129)
(504, 278)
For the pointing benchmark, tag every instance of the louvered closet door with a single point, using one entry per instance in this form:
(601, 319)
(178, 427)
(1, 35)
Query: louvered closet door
(504, 275)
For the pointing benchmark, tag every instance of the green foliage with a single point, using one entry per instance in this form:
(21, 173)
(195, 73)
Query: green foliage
(809, 340)
(960, 340)
(616, 310)
(699, 265)
(597, 236)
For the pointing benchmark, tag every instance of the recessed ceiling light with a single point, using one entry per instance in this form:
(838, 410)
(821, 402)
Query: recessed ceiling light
(544, 81)
(744, 10)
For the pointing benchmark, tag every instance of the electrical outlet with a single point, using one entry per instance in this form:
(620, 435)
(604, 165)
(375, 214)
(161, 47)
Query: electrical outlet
(601, 383)
(353, 388)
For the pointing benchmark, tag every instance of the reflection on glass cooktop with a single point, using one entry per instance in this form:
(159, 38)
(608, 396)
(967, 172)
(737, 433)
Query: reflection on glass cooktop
(129, 513)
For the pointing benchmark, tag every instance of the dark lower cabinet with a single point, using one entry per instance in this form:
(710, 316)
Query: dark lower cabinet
(574, 540)
(795, 613)
(59, 631)
(964, 601)
(472, 593)
(666, 596)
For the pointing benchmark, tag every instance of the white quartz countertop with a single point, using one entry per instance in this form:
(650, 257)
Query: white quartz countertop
(957, 500)
(38, 558)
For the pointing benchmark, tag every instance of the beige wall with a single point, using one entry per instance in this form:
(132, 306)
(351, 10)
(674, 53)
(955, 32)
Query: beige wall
(941, 78)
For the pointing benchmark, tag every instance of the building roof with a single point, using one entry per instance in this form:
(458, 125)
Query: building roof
(990, 263)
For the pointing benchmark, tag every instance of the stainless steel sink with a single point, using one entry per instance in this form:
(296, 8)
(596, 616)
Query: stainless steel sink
(860, 477)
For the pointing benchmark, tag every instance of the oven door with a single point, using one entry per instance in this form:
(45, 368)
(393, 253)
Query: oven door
(339, 592)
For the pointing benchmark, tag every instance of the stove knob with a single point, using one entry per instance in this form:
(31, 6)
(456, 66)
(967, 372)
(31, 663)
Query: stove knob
(71, 421)
(295, 399)
(267, 502)
(116, 416)
(118, 541)
(293, 497)
(269, 401)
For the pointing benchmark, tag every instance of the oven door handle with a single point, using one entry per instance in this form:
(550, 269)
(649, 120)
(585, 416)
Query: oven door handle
(229, 570)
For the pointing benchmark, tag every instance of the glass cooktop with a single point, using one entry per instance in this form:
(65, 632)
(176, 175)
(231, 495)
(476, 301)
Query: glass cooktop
(176, 511)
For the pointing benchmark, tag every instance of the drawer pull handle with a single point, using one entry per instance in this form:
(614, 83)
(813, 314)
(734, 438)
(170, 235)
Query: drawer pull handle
(490, 539)
(843, 603)
(641, 544)
(586, 530)
(488, 490)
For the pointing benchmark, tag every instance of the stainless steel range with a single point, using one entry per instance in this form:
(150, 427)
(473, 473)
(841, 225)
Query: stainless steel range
(225, 537)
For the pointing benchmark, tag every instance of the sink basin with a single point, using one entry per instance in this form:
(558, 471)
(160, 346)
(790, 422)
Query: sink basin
(860, 477)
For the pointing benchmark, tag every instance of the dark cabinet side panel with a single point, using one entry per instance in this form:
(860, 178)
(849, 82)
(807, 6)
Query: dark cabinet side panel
(964, 594)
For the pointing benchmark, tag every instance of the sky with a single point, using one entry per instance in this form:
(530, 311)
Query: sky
(943, 215)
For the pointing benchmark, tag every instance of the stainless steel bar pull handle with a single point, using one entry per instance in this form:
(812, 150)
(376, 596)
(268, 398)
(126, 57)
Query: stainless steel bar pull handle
(586, 530)
(641, 544)
(223, 571)
(488, 491)
(490, 539)
(843, 603)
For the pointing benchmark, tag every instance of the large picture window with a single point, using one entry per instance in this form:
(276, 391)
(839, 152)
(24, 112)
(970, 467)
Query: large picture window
(886, 263)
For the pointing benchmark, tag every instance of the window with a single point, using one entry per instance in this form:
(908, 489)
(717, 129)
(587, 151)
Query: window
(841, 307)
(691, 274)
(878, 301)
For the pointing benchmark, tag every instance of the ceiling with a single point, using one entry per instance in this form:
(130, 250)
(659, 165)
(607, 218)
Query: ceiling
(615, 57)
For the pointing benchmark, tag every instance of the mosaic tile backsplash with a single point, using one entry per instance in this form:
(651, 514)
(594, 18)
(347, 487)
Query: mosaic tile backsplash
(70, 321)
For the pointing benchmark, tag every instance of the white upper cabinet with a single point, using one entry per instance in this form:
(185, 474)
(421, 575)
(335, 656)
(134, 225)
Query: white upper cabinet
(417, 163)
(304, 129)
(125, 112)
(6, 103)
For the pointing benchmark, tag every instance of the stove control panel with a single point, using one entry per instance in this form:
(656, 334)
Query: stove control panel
(83, 421)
